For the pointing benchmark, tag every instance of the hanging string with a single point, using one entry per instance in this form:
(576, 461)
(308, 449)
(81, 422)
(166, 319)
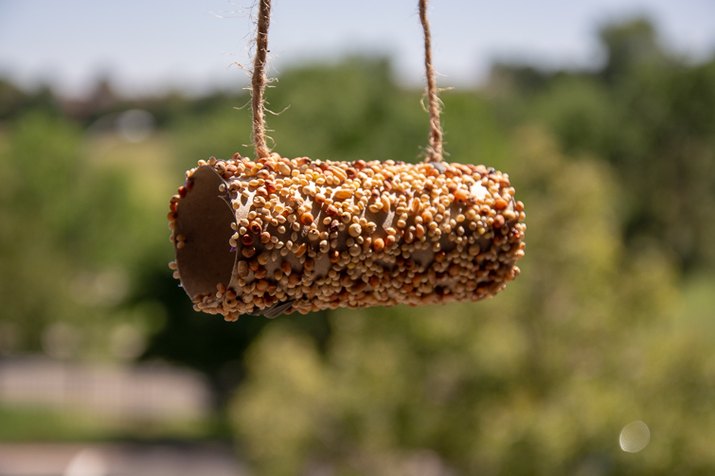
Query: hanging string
(259, 79)
(434, 149)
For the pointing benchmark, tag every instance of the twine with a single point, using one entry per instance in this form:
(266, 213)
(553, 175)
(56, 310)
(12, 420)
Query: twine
(259, 79)
(434, 148)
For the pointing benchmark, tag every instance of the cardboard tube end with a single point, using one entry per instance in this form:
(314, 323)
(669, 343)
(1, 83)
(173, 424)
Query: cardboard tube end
(203, 226)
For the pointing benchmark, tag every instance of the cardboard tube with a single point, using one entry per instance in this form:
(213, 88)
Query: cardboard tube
(277, 235)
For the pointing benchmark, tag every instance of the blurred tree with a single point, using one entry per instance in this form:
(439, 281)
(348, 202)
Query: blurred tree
(628, 45)
(664, 145)
(65, 244)
(11, 97)
(651, 114)
(665, 151)
(14, 101)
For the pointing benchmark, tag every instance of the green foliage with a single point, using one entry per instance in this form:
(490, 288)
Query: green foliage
(579, 112)
(65, 244)
(651, 115)
(665, 149)
(32, 423)
(629, 45)
(14, 101)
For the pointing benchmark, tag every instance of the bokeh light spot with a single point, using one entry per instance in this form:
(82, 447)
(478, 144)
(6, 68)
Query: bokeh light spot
(634, 437)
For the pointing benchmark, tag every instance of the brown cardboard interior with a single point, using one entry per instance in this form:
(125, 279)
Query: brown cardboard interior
(204, 218)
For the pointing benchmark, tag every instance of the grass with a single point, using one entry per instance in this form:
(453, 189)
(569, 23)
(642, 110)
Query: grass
(23, 423)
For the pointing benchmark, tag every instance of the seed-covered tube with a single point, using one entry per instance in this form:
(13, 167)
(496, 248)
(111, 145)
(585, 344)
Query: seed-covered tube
(277, 235)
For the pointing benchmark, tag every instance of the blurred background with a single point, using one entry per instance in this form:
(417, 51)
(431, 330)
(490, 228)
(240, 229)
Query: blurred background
(597, 360)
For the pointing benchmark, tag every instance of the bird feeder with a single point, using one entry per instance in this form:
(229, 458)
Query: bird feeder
(275, 235)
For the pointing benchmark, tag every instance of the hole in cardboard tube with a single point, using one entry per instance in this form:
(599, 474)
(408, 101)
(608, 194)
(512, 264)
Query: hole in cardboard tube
(204, 218)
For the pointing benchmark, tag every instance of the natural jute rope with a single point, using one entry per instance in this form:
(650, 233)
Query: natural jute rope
(434, 148)
(259, 79)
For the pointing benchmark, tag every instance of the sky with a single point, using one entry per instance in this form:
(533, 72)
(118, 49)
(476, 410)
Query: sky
(146, 46)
